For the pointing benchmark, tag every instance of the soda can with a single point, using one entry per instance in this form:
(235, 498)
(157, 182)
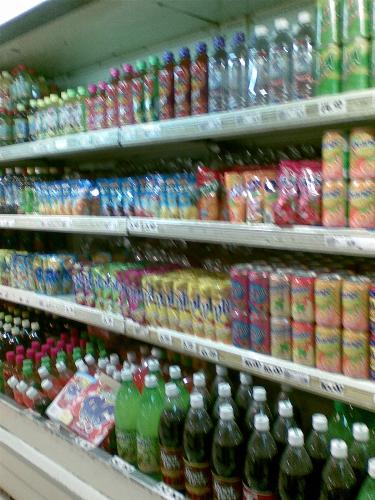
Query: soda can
(221, 306)
(260, 335)
(328, 22)
(149, 299)
(259, 293)
(372, 358)
(362, 204)
(335, 155)
(328, 300)
(239, 276)
(161, 302)
(355, 353)
(281, 338)
(279, 283)
(303, 345)
(240, 326)
(180, 288)
(329, 63)
(372, 327)
(328, 348)
(194, 297)
(362, 154)
(372, 304)
(356, 19)
(302, 296)
(334, 203)
(205, 290)
(355, 303)
(356, 64)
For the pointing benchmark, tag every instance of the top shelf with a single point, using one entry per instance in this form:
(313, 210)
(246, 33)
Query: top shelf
(328, 111)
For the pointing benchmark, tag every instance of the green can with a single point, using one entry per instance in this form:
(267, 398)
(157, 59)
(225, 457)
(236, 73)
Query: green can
(328, 16)
(329, 69)
(356, 19)
(356, 65)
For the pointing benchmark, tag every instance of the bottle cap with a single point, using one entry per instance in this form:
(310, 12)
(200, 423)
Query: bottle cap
(17, 321)
(81, 90)
(219, 42)
(261, 422)
(127, 68)
(153, 61)
(238, 38)
(20, 349)
(89, 359)
(339, 449)
(19, 359)
(46, 384)
(126, 364)
(371, 467)
(199, 380)
(81, 366)
(285, 409)
(224, 390)
(259, 393)
(319, 422)
(168, 57)
(304, 17)
(361, 432)
(10, 356)
(184, 53)
(221, 370)
(109, 369)
(153, 365)
(35, 344)
(22, 386)
(175, 372)
(31, 393)
(61, 367)
(171, 390)
(114, 359)
(131, 357)
(151, 381)
(43, 372)
(260, 30)
(12, 382)
(114, 72)
(226, 412)
(295, 437)
(92, 88)
(50, 341)
(156, 353)
(102, 363)
(15, 330)
(281, 24)
(196, 401)
(117, 375)
(201, 48)
(34, 325)
(126, 375)
(140, 65)
(102, 85)
(7, 327)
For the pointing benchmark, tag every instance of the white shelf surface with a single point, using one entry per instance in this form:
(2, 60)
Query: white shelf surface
(355, 391)
(59, 464)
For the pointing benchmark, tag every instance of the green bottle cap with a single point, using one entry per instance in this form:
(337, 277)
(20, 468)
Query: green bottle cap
(76, 356)
(71, 93)
(82, 90)
(8, 318)
(27, 370)
(61, 355)
(140, 66)
(90, 348)
(102, 353)
(153, 61)
(27, 362)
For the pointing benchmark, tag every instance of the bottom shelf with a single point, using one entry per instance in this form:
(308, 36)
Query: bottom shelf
(40, 459)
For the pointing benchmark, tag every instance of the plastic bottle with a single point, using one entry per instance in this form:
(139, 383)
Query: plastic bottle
(261, 463)
(295, 477)
(224, 397)
(64, 373)
(303, 58)
(171, 428)
(80, 109)
(317, 446)
(243, 397)
(339, 481)
(125, 97)
(138, 92)
(197, 450)
(90, 107)
(283, 423)
(182, 84)
(238, 72)
(148, 450)
(166, 87)
(101, 106)
(218, 77)
(259, 67)
(221, 376)
(367, 491)
(91, 363)
(50, 389)
(53, 112)
(16, 336)
(12, 383)
(199, 80)
(199, 387)
(36, 401)
(8, 183)
(176, 377)
(257, 405)
(154, 369)
(339, 425)
(359, 453)
(151, 89)
(112, 98)
(280, 63)
(7, 338)
(8, 371)
(31, 119)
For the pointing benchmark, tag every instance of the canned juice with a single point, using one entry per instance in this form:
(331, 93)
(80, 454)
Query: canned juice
(194, 298)
(149, 299)
(302, 296)
(240, 286)
(171, 305)
(279, 283)
(260, 335)
(161, 302)
(334, 203)
(328, 22)
(329, 69)
(281, 338)
(180, 288)
(335, 155)
(221, 306)
(205, 290)
(240, 326)
(362, 154)
(362, 204)
(356, 19)
(355, 353)
(372, 304)
(355, 303)
(372, 358)
(328, 300)
(356, 64)
(303, 344)
(328, 348)
(259, 298)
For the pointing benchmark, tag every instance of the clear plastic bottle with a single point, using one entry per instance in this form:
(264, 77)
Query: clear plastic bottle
(317, 446)
(221, 376)
(31, 119)
(176, 377)
(243, 397)
(258, 67)
(218, 77)
(359, 453)
(257, 405)
(238, 72)
(283, 423)
(199, 387)
(367, 491)
(303, 58)
(224, 397)
(339, 480)
(21, 125)
(280, 63)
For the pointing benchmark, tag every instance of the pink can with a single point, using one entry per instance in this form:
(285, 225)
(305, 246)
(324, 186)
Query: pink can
(259, 291)
(239, 276)
(260, 333)
(302, 296)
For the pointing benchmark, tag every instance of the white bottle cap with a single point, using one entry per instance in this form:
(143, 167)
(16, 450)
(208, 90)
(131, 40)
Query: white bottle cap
(131, 357)
(226, 412)
(361, 432)
(319, 422)
(371, 467)
(34, 325)
(109, 369)
(43, 372)
(151, 381)
(175, 372)
(339, 449)
(7, 327)
(15, 330)
(31, 393)
(199, 380)
(295, 437)
(17, 321)
(156, 353)
(81, 366)
(26, 323)
(259, 393)
(126, 375)
(285, 409)
(61, 367)
(153, 365)
(12, 382)
(117, 375)
(22, 387)
(102, 363)
(89, 359)
(221, 370)
(46, 384)
(196, 400)
(114, 359)
(261, 422)
(224, 390)
(171, 390)
(281, 24)
(246, 378)
(125, 364)
(260, 30)
(304, 17)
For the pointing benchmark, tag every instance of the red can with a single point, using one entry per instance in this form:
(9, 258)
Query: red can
(302, 296)
(239, 276)
(259, 291)
(260, 333)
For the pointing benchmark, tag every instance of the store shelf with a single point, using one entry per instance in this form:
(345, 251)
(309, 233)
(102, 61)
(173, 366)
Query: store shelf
(355, 391)
(54, 463)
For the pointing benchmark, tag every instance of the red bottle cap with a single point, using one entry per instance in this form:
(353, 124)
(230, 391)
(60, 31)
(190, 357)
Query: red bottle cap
(64, 337)
(38, 357)
(74, 341)
(50, 341)
(20, 349)
(82, 344)
(69, 348)
(54, 351)
(19, 359)
(60, 345)
(30, 353)
(45, 349)
(10, 356)
(35, 344)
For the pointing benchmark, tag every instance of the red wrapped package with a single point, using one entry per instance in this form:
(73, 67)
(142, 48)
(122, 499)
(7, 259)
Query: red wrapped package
(310, 193)
(284, 211)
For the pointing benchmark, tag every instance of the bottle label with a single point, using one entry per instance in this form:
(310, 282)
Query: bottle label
(125, 102)
(280, 74)
(197, 478)
(225, 488)
(138, 100)
(127, 445)
(182, 91)
(258, 77)
(199, 88)
(151, 96)
(172, 467)
(148, 454)
(99, 113)
(251, 494)
(218, 83)
(166, 94)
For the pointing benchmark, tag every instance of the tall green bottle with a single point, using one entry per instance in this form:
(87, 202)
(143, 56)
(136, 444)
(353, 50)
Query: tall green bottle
(367, 492)
(359, 453)
(340, 424)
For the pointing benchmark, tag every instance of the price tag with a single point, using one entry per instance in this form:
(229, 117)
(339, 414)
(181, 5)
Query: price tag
(122, 466)
(7, 222)
(253, 364)
(331, 107)
(143, 331)
(151, 130)
(150, 227)
(61, 144)
(165, 338)
(331, 387)
(209, 353)
(188, 345)
(112, 224)
(350, 242)
(134, 225)
(296, 376)
(166, 492)
(82, 443)
(69, 309)
(271, 369)
(292, 113)
(107, 320)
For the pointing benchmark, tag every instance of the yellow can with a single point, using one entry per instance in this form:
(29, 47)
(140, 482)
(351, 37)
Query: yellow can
(180, 288)
(206, 290)
(328, 349)
(149, 299)
(355, 353)
(362, 153)
(171, 305)
(303, 344)
(194, 296)
(355, 303)
(221, 294)
(161, 301)
(362, 203)
(328, 300)
(335, 155)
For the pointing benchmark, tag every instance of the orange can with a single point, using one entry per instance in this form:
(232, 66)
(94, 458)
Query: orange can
(362, 154)
(362, 204)
(355, 354)
(328, 348)
(303, 343)
(328, 300)
(236, 200)
(334, 203)
(355, 303)
(335, 155)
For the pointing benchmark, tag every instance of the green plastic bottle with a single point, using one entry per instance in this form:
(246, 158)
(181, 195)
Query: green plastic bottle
(317, 446)
(126, 416)
(151, 89)
(148, 449)
(340, 424)
(338, 477)
(367, 491)
(359, 453)
(176, 377)
(154, 369)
